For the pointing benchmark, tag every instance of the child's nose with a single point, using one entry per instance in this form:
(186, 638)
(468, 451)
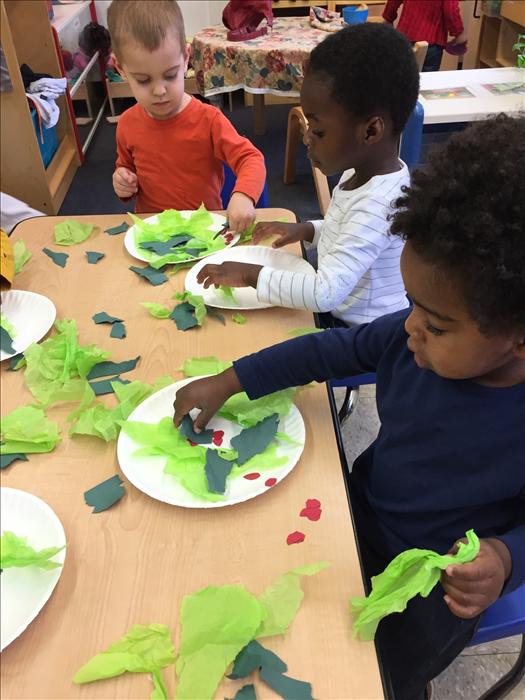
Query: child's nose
(159, 89)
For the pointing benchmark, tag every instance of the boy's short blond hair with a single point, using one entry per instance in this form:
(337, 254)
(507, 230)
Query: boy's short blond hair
(145, 22)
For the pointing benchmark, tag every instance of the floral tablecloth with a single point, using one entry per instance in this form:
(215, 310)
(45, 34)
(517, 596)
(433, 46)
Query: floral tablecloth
(274, 63)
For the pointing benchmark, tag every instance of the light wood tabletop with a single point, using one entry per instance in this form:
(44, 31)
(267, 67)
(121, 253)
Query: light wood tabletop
(134, 562)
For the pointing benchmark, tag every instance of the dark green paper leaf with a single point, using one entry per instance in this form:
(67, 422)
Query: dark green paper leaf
(104, 369)
(254, 656)
(184, 316)
(164, 247)
(288, 688)
(105, 494)
(213, 313)
(252, 441)
(217, 470)
(17, 362)
(154, 277)
(118, 330)
(186, 429)
(6, 460)
(247, 692)
(6, 342)
(94, 256)
(104, 385)
(103, 317)
(114, 230)
(59, 259)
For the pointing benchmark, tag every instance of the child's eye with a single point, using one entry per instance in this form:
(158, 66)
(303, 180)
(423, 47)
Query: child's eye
(318, 134)
(171, 77)
(432, 329)
(143, 82)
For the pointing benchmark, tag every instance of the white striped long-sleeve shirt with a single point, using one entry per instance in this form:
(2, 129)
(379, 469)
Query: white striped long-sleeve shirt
(358, 276)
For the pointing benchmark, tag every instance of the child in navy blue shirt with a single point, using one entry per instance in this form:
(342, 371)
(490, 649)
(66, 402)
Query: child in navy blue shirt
(449, 455)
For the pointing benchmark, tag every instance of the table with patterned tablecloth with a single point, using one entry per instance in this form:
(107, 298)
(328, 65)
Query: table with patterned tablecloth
(274, 63)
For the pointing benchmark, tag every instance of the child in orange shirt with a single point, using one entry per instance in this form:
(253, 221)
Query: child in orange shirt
(171, 147)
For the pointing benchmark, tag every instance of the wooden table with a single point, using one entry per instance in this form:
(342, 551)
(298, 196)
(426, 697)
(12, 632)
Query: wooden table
(482, 105)
(135, 562)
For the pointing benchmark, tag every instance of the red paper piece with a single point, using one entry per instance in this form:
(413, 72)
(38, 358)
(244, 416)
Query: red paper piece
(270, 482)
(217, 437)
(228, 238)
(252, 476)
(312, 510)
(193, 444)
(295, 538)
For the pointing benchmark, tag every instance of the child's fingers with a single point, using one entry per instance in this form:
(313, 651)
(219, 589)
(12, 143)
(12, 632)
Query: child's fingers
(261, 231)
(204, 273)
(473, 571)
(202, 419)
(464, 611)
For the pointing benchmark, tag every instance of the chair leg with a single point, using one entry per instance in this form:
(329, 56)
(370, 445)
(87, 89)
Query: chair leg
(510, 680)
(293, 135)
(349, 404)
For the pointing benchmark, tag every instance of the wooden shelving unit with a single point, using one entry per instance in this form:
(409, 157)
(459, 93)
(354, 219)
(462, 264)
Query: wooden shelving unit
(27, 37)
(499, 34)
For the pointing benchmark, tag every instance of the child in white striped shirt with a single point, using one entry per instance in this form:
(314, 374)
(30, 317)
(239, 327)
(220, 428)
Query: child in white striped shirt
(360, 88)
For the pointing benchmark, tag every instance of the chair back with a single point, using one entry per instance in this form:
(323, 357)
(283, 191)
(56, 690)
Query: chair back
(504, 618)
(410, 141)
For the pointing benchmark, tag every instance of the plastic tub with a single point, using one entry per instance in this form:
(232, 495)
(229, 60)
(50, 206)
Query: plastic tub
(355, 14)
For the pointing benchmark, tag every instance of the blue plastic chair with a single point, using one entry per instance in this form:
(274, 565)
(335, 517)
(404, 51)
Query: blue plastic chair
(229, 184)
(505, 618)
(409, 150)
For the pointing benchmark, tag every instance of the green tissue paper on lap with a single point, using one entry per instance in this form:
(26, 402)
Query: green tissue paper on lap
(413, 572)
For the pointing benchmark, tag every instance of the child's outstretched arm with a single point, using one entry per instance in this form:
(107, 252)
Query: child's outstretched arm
(125, 181)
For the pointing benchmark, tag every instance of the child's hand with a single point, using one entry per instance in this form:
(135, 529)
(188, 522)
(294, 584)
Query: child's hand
(240, 212)
(229, 274)
(288, 233)
(125, 183)
(208, 394)
(471, 588)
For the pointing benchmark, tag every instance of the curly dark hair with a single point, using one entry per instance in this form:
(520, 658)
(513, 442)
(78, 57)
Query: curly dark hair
(465, 213)
(372, 69)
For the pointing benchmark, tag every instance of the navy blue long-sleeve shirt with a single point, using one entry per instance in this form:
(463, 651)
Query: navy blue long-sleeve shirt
(449, 456)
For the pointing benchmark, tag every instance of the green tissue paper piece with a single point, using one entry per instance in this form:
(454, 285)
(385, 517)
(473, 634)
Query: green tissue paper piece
(71, 232)
(6, 460)
(247, 692)
(217, 470)
(154, 277)
(103, 422)
(27, 430)
(104, 369)
(59, 259)
(103, 317)
(216, 623)
(296, 332)
(118, 330)
(197, 302)
(105, 386)
(94, 256)
(253, 657)
(288, 688)
(186, 429)
(413, 572)
(171, 223)
(156, 310)
(114, 230)
(200, 366)
(268, 459)
(239, 318)
(6, 339)
(247, 235)
(227, 292)
(253, 441)
(144, 649)
(104, 495)
(184, 316)
(282, 599)
(7, 325)
(14, 551)
(240, 409)
(283, 437)
(56, 369)
(21, 255)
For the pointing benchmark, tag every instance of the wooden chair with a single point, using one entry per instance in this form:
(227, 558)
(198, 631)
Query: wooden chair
(297, 128)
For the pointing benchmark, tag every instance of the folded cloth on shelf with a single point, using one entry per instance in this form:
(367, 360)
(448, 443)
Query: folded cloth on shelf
(47, 110)
(50, 88)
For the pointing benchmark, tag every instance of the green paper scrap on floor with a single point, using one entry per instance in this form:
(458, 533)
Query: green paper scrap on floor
(59, 259)
(7, 460)
(103, 317)
(118, 330)
(154, 277)
(144, 649)
(239, 318)
(115, 230)
(170, 227)
(106, 367)
(218, 627)
(184, 316)
(105, 386)
(94, 256)
(15, 552)
(21, 255)
(7, 335)
(413, 572)
(104, 495)
(27, 430)
(71, 232)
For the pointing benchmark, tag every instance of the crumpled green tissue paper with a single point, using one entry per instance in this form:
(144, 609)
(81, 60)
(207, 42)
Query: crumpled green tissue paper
(27, 430)
(14, 551)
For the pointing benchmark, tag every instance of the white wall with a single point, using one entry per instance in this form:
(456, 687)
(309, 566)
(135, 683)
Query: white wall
(197, 13)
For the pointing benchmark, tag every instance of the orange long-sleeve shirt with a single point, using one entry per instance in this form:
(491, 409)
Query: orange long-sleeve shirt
(179, 161)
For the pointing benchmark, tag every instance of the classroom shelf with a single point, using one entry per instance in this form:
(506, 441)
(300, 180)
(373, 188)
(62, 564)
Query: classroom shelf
(65, 14)
(499, 34)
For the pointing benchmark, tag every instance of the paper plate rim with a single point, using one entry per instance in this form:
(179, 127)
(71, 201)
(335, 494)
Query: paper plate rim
(46, 300)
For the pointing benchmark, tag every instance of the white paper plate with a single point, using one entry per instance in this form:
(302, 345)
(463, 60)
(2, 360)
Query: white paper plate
(30, 314)
(26, 590)
(245, 296)
(133, 250)
(147, 473)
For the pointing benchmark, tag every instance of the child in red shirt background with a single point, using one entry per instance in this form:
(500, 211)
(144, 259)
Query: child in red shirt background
(171, 147)
(431, 21)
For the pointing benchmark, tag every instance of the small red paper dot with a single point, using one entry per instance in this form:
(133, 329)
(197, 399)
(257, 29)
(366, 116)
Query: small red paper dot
(311, 513)
(295, 537)
(217, 437)
(252, 476)
(313, 503)
(270, 482)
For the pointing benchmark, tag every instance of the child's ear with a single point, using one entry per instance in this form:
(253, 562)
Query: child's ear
(119, 68)
(373, 130)
(519, 347)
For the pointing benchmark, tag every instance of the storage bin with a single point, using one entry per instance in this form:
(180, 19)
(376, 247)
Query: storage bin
(355, 14)
(50, 143)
